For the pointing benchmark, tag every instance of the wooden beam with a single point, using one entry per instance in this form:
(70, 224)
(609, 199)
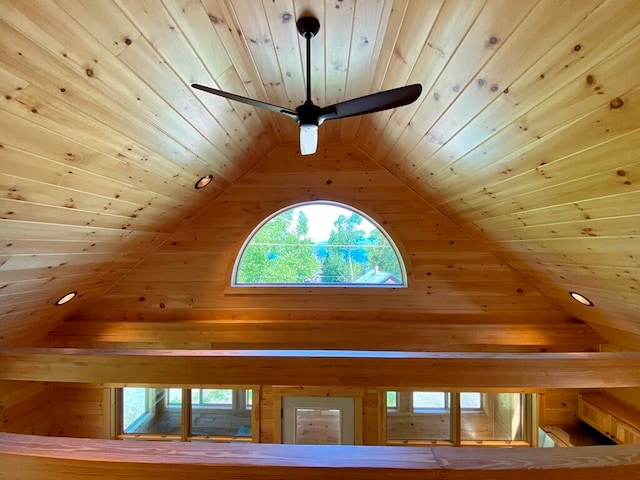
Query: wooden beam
(508, 371)
(48, 458)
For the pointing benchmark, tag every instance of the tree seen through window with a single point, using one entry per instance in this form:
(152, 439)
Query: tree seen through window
(319, 243)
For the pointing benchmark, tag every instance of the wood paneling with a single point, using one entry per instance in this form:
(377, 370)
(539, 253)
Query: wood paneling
(82, 411)
(189, 275)
(25, 407)
(339, 333)
(512, 179)
(66, 459)
(508, 371)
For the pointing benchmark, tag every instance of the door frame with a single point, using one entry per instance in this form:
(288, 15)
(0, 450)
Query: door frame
(356, 393)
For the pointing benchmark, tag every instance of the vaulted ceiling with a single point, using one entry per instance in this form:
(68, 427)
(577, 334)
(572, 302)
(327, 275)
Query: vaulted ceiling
(525, 137)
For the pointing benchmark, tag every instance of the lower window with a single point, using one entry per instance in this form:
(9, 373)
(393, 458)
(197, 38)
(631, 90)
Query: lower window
(419, 417)
(214, 414)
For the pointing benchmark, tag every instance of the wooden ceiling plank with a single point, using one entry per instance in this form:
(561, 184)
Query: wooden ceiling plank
(472, 54)
(15, 246)
(167, 47)
(624, 225)
(384, 52)
(23, 300)
(499, 73)
(22, 263)
(589, 247)
(575, 99)
(30, 137)
(20, 56)
(626, 279)
(260, 45)
(14, 229)
(369, 23)
(572, 251)
(23, 164)
(604, 130)
(337, 41)
(411, 48)
(34, 285)
(212, 142)
(113, 32)
(525, 92)
(196, 26)
(24, 190)
(90, 64)
(588, 202)
(280, 23)
(601, 208)
(557, 19)
(37, 212)
(260, 131)
(54, 115)
(223, 22)
(595, 183)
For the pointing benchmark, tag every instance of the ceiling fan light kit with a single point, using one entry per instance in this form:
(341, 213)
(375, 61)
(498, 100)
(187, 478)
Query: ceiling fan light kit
(310, 116)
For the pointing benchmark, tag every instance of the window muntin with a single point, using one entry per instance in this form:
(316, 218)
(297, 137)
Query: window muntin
(214, 414)
(418, 417)
(501, 418)
(319, 244)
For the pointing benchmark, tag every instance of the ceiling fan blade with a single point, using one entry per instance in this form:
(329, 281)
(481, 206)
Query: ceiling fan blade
(375, 102)
(249, 101)
(308, 139)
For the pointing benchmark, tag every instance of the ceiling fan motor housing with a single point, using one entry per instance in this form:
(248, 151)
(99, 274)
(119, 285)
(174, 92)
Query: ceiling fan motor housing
(308, 27)
(310, 116)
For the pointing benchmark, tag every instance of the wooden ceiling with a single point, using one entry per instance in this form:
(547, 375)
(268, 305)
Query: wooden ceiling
(525, 140)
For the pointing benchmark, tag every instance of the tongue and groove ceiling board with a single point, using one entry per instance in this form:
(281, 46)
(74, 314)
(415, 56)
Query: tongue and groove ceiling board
(525, 136)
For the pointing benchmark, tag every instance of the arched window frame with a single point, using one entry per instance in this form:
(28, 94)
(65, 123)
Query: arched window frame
(387, 236)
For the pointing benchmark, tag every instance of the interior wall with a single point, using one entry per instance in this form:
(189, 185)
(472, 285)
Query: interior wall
(25, 407)
(82, 411)
(558, 408)
(183, 287)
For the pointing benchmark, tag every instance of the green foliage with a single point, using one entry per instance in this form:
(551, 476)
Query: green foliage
(279, 253)
(341, 264)
(380, 253)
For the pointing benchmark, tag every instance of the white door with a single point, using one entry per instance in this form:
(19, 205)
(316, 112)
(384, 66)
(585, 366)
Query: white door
(318, 420)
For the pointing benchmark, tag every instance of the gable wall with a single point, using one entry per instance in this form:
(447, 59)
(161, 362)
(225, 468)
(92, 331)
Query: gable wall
(180, 295)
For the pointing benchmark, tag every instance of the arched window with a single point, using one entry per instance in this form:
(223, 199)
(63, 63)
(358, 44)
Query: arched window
(319, 244)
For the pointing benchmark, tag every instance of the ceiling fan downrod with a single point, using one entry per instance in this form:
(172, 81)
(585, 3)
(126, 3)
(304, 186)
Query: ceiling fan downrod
(310, 116)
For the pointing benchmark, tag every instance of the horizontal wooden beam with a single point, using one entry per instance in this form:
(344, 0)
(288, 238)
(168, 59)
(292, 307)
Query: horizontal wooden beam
(344, 334)
(511, 371)
(48, 458)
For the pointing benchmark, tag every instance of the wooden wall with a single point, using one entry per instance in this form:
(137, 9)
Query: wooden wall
(82, 411)
(180, 295)
(25, 407)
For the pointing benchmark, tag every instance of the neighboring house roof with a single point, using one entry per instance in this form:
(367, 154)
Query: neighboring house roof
(377, 276)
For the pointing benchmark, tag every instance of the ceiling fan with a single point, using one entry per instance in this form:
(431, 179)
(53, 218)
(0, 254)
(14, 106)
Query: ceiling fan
(310, 116)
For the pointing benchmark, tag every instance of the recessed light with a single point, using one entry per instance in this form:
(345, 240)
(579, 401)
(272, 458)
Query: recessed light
(581, 299)
(66, 298)
(203, 182)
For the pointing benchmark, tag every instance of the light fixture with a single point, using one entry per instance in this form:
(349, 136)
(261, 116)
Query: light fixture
(203, 182)
(308, 139)
(581, 299)
(66, 298)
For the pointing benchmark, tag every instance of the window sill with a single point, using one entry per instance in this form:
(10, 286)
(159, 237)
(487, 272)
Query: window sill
(315, 289)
